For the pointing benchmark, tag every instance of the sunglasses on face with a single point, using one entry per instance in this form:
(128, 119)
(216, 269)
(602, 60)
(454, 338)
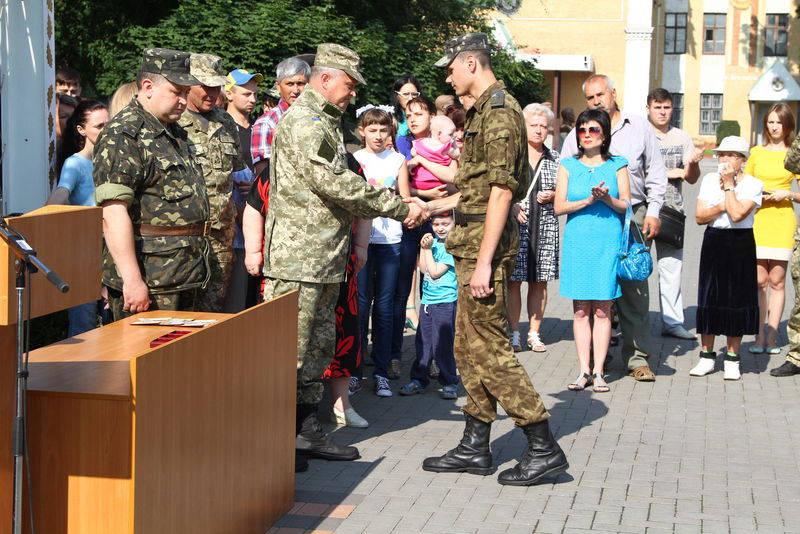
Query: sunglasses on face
(593, 130)
(413, 94)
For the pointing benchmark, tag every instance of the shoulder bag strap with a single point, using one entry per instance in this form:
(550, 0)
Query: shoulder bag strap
(536, 172)
(626, 229)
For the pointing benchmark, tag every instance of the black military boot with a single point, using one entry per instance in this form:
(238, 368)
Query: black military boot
(312, 441)
(542, 458)
(472, 455)
(300, 457)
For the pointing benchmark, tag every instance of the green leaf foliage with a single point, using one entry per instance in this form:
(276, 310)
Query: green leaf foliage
(103, 39)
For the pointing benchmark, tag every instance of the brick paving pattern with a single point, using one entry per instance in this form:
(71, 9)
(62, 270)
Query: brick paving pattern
(680, 455)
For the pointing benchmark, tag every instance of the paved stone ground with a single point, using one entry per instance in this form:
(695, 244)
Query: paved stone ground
(678, 455)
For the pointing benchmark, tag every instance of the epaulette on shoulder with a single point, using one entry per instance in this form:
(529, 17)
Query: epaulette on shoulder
(132, 126)
(498, 99)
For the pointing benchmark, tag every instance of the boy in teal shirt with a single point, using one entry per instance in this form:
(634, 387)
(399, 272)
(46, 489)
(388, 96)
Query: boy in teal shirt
(437, 319)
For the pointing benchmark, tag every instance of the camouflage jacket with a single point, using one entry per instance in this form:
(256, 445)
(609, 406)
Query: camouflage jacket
(313, 196)
(147, 165)
(792, 161)
(495, 152)
(214, 144)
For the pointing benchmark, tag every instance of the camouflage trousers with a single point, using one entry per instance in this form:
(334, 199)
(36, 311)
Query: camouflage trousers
(793, 327)
(175, 301)
(220, 263)
(316, 332)
(489, 369)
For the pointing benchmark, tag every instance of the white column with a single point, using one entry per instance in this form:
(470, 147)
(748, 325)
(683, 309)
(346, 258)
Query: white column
(27, 104)
(638, 40)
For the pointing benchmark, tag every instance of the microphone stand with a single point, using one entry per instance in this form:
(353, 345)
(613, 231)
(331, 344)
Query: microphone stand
(26, 263)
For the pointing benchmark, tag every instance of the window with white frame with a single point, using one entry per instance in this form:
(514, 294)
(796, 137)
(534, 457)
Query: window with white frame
(710, 113)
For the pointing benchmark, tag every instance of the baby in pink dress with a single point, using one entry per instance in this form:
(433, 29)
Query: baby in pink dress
(438, 148)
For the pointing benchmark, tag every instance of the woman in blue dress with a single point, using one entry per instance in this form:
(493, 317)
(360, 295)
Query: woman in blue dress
(592, 188)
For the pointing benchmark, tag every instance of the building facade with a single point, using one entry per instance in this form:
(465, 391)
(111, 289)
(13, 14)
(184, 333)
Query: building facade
(722, 59)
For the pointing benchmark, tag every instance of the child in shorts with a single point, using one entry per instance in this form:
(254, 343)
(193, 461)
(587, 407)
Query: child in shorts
(437, 319)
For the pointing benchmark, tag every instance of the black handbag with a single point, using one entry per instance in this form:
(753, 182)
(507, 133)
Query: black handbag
(673, 223)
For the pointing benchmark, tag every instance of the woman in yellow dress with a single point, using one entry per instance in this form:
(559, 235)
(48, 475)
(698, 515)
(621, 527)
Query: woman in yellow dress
(775, 222)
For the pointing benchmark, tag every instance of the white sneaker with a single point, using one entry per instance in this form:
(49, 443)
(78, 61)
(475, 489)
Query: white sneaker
(382, 388)
(703, 367)
(350, 418)
(732, 370)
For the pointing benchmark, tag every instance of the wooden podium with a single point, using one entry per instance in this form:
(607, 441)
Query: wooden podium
(68, 240)
(196, 435)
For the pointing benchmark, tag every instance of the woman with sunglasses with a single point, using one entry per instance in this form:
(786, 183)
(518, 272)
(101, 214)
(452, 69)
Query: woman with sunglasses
(404, 89)
(593, 188)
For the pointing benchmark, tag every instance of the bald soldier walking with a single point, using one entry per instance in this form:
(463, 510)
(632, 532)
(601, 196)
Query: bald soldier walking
(493, 173)
(312, 202)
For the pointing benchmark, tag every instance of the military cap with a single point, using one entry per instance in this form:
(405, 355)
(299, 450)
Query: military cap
(462, 43)
(340, 57)
(171, 64)
(207, 68)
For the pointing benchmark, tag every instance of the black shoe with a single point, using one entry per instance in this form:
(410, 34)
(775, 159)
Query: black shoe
(787, 369)
(542, 458)
(472, 455)
(300, 462)
(312, 441)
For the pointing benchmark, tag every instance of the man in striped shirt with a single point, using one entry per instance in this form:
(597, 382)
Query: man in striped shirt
(291, 77)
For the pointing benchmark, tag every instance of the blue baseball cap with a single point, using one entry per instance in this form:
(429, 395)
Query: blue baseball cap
(241, 77)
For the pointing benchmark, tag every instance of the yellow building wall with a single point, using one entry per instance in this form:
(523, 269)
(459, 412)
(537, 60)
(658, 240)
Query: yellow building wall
(598, 29)
(740, 72)
(557, 27)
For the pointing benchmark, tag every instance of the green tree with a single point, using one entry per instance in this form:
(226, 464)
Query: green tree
(393, 37)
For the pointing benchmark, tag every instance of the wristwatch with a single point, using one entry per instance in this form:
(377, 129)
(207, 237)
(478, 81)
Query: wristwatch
(729, 189)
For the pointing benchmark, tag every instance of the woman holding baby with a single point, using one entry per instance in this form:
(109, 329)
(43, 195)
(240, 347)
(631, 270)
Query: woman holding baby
(429, 179)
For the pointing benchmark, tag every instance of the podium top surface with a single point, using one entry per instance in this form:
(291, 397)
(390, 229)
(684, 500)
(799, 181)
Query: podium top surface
(98, 361)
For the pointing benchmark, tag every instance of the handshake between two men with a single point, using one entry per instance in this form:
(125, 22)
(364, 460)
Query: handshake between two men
(420, 211)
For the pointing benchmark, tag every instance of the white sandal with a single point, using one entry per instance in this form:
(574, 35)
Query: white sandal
(535, 342)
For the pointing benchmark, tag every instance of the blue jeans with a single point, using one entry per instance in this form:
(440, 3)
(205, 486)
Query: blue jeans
(409, 249)
(377, 283)
(434, 341)
(82, 318)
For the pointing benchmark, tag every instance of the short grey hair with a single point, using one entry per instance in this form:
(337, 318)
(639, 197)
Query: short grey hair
(316, 72)
(539, 109)
(593, 77)
(291, 67)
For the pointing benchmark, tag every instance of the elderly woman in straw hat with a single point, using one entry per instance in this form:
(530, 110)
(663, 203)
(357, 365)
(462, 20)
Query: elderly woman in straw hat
(727, 300)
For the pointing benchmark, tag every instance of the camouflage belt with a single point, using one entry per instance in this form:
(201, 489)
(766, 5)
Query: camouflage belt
(461, 219)
(202, 229)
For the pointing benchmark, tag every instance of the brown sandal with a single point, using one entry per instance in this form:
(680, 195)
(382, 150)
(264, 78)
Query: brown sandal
(642, 374)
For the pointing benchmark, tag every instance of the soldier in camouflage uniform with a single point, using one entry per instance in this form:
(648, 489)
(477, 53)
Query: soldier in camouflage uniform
(214, 144)
(155, 207)
(313, 199)
(493, 173)
(791, 366)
